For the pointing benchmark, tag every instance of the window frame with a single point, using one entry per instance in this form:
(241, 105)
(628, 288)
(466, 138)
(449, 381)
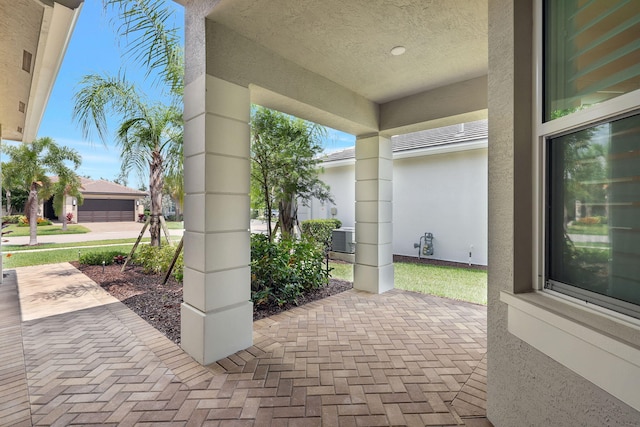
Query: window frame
(616, 108)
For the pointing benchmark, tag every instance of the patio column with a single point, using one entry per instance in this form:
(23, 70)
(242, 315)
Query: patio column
(373, 271)
(217, 316)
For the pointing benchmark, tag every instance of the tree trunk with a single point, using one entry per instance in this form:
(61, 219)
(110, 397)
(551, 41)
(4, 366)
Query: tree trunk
(64, 212)
(287, 216)
(32, 213)
(155, 189)
(8, 193)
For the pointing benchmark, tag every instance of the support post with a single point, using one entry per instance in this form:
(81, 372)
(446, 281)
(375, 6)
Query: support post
(217, 314)
(373, 271)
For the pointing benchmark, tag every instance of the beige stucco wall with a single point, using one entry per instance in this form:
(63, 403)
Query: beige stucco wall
(526, 387)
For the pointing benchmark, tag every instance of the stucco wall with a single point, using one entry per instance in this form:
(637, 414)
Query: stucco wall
(525, 387)
(341, 180)
(445, 194)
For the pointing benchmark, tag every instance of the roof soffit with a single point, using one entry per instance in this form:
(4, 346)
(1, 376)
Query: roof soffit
(349, 43)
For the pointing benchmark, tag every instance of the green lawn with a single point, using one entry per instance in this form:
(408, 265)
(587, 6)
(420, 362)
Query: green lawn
(450, 282)
(175, 225)
(45, 230)
(595, 229)
(47, 246)
(13, 260)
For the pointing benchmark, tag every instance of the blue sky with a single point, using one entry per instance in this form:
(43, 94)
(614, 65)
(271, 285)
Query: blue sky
(94, 49)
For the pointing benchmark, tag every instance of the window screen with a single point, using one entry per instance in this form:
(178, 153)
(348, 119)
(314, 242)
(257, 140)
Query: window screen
(593, 214)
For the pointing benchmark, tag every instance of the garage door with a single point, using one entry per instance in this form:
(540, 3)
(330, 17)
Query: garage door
(104, 210)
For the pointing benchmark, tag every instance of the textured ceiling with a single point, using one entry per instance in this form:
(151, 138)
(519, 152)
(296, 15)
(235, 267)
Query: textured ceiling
(349, 42)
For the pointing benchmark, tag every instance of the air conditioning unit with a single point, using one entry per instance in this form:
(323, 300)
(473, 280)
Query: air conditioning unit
(343, 240)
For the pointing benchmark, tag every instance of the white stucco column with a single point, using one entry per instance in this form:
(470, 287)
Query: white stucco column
(373, 271)
(217, 315)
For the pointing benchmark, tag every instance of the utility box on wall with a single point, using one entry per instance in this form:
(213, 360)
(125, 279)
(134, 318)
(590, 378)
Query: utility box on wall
(342, 240)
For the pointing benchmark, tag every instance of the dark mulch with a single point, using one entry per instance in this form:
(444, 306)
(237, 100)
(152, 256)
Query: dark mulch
(160, 305)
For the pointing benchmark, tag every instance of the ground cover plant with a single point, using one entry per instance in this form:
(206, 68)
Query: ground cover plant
(283, 270)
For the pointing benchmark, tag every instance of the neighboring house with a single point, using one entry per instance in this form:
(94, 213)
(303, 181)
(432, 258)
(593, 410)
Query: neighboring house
(439, 187)
(104, 201)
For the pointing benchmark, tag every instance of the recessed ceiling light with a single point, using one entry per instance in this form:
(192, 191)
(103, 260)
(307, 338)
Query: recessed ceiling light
(398, 50)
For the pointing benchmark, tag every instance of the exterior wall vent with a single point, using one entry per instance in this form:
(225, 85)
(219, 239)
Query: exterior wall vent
(26, 61)
(21, 106)
(19, 129)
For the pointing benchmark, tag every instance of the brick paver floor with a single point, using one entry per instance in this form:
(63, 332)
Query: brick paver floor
(81, 357)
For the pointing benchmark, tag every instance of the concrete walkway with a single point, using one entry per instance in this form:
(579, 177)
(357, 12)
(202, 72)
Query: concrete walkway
(109, 231)
(72, 354)
(99, 231)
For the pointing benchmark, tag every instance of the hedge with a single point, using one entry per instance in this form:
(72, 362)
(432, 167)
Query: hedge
(320, 230)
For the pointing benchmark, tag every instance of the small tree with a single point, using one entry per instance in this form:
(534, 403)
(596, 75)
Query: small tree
(284, 164)
(67, 185)
(29, 164)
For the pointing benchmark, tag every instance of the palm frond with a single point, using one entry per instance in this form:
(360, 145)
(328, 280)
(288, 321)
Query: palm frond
(155, 44)
(99, 96)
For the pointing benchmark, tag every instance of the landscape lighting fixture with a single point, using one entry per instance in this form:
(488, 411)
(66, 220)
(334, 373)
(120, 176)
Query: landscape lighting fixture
(398, 50)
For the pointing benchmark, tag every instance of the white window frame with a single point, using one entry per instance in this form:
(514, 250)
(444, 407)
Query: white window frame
(561, 326)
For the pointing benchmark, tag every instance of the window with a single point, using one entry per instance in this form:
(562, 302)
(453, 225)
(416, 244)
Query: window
(591, 55)
(593, 242)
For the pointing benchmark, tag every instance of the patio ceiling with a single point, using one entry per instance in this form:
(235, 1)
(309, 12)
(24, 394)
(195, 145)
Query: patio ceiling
(34, 35)
(343, 50)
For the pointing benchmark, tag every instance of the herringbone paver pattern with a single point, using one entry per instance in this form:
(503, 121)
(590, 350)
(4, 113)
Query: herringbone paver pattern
(352, 359)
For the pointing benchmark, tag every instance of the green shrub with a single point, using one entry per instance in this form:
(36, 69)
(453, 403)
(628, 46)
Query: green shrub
(11, 219)
(320, 230)
(96, 258)
(154, 260)
(282, 271)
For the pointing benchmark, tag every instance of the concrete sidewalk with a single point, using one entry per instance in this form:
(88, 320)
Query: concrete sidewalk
(110, 231)
(99, 231)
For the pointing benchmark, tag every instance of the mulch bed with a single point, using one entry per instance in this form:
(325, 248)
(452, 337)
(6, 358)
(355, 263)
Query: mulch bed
(160, 305)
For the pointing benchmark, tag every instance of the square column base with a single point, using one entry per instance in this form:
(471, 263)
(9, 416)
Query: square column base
(373, 279)
(209, 337)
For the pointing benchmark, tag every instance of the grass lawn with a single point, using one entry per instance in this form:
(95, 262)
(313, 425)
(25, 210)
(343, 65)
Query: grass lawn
(450, 282)
(47, 246)
(45, 230)
(175, 225)
(13, 260)
(595, 229)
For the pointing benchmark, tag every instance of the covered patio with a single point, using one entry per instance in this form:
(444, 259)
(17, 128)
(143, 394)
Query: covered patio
(81, 357)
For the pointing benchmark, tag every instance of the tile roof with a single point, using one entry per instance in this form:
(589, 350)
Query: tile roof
(100, 186)
(446, 135)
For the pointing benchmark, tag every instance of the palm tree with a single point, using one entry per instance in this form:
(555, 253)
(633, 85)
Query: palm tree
(147, 134)
(29, 164)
